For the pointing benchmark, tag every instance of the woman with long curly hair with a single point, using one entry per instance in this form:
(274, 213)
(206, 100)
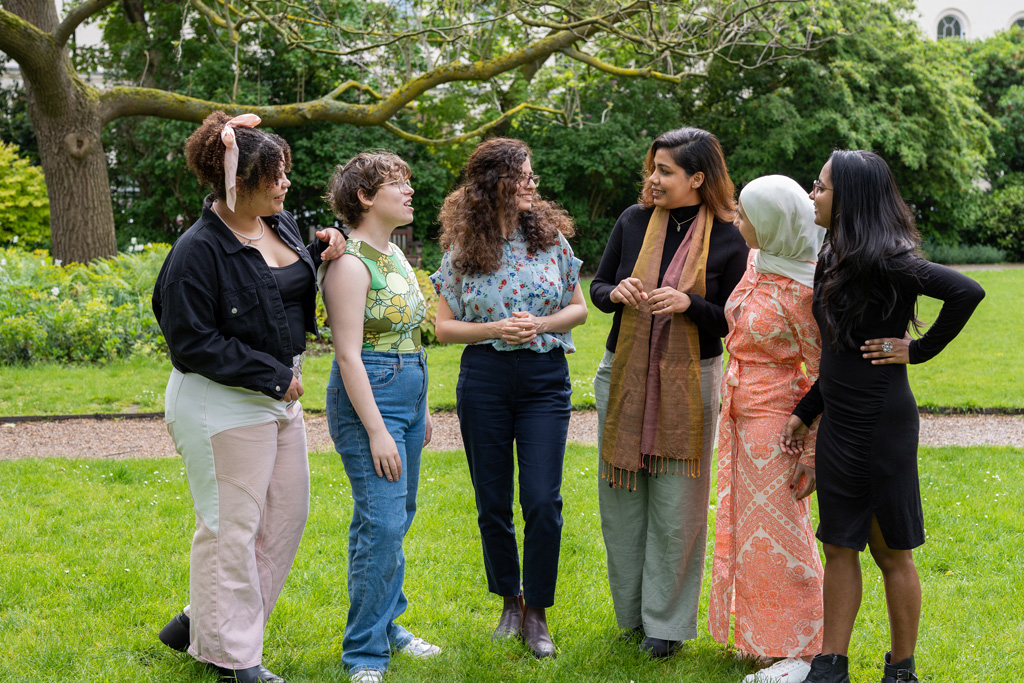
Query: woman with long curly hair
(235, 299)
(866, 287)
(509, 290)
(671, 262)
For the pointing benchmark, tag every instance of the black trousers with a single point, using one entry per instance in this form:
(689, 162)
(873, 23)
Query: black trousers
(520, 397)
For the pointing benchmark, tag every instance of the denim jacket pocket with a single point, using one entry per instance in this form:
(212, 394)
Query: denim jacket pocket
(243, 318)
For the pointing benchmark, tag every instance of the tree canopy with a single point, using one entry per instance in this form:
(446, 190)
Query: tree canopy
(360, 63)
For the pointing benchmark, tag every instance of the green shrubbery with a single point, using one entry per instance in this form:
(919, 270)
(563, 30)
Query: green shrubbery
(954, 254)
(96, 312)
(24, 207)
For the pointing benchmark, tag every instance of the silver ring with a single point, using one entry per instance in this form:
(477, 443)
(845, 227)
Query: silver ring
(887, 347)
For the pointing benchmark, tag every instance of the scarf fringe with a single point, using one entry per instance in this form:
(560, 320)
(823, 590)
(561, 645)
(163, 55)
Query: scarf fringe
(689, 467)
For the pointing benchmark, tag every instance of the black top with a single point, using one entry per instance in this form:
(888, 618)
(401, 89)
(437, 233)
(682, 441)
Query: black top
(866, 448)
(221, 310)
(960, 296)
(294, 284)
(727, 261)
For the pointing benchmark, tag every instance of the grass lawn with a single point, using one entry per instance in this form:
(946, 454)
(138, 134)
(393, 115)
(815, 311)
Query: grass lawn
(981, 368)
(95, 561)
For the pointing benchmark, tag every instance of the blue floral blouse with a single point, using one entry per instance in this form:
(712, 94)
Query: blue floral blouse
(540, 284)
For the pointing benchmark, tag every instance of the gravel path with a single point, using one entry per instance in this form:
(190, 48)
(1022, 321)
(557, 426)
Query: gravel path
(147, 437)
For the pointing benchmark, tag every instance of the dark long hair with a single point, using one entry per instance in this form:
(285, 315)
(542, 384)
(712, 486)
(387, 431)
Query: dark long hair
(872, 239)
(473, 215)
(693, 150)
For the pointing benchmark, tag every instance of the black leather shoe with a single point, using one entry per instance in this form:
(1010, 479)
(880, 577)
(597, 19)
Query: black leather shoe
(254, 674)
(175, 634)
(632, 635)
(535, 632)
(900, 671)
(511, 622)
(830, 668)
(656, 647)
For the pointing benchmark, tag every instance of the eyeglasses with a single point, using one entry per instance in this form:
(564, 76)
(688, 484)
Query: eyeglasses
(524, 180)
(403, 185)
(819, 186)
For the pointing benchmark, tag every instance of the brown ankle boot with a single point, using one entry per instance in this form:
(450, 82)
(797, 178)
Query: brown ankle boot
(535, 632)
(511, 622)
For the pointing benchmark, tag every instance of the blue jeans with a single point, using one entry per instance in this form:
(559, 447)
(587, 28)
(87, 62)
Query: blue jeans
(382, 510)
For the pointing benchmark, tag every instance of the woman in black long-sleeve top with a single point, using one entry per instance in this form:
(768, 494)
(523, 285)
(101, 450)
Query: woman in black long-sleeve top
(669, 267)
(866, 288)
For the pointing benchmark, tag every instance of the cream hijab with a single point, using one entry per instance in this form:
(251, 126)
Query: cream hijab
(783, 218)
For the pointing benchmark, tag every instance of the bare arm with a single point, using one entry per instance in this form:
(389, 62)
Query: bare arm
(452, 331)
(346, 285)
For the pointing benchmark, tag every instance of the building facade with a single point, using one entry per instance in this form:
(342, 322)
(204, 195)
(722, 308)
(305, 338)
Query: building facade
(968, 20)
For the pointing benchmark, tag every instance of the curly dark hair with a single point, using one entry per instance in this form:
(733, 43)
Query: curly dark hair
(693, 150)
(366, 171)
(872, 240)
(473, 215)
(262, 156)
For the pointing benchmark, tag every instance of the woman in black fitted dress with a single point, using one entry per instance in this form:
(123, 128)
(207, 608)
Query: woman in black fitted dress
(866, 288)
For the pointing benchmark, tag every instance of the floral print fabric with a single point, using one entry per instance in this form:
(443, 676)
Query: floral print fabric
(766, 570)
(540, 284)
(394, 305)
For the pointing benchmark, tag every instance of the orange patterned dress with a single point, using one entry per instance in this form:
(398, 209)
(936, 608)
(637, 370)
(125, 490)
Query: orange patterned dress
(767, 571)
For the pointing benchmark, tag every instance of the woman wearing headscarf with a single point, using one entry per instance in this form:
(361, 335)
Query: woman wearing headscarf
(767, 573)
(670, 264)
(866, 287)
(234, 299)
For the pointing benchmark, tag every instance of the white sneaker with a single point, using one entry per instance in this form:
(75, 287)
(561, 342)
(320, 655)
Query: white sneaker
(367, 676)
(782, 671)
(417, 647)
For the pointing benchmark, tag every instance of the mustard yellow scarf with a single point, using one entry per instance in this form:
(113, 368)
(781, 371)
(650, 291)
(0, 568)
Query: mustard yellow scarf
(664, 400)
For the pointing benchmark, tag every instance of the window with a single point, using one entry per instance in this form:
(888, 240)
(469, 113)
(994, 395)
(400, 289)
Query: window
(1019, 23)
(949, 27)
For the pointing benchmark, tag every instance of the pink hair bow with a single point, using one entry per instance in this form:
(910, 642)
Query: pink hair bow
(227, 136)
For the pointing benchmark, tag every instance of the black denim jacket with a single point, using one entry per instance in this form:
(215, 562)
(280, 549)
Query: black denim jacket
(220, 310)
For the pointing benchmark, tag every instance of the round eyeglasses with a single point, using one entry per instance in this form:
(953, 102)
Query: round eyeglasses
(402, 185)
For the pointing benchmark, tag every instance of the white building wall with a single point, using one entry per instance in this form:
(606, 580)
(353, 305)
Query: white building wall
(978, 18)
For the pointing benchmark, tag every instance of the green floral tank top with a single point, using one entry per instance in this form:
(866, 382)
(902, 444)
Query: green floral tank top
(394, 305)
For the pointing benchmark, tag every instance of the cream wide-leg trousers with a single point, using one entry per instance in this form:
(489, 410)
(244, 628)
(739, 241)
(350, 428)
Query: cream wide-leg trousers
(245, 457)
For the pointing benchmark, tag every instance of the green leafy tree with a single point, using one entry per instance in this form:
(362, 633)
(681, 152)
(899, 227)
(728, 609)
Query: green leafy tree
(998, 64)
(432, 51)
(878, 86)
(24, 209)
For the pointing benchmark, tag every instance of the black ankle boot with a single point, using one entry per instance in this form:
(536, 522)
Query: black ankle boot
(175, 634)
(658, 647)
(900, 671)
(254, 674)
(831, 668)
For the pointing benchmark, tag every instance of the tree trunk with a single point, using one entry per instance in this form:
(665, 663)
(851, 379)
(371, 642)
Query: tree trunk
(65, 116)
(81, 216)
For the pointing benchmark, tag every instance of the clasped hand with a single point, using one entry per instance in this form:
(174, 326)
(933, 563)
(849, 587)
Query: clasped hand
(521, 328)
(663, 300)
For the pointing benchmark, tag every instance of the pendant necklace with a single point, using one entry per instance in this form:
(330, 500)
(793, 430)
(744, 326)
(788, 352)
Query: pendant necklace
(679, 224)
(248, 240)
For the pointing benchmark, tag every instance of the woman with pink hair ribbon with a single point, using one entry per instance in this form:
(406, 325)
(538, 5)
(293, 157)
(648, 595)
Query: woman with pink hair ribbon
(235, 299)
